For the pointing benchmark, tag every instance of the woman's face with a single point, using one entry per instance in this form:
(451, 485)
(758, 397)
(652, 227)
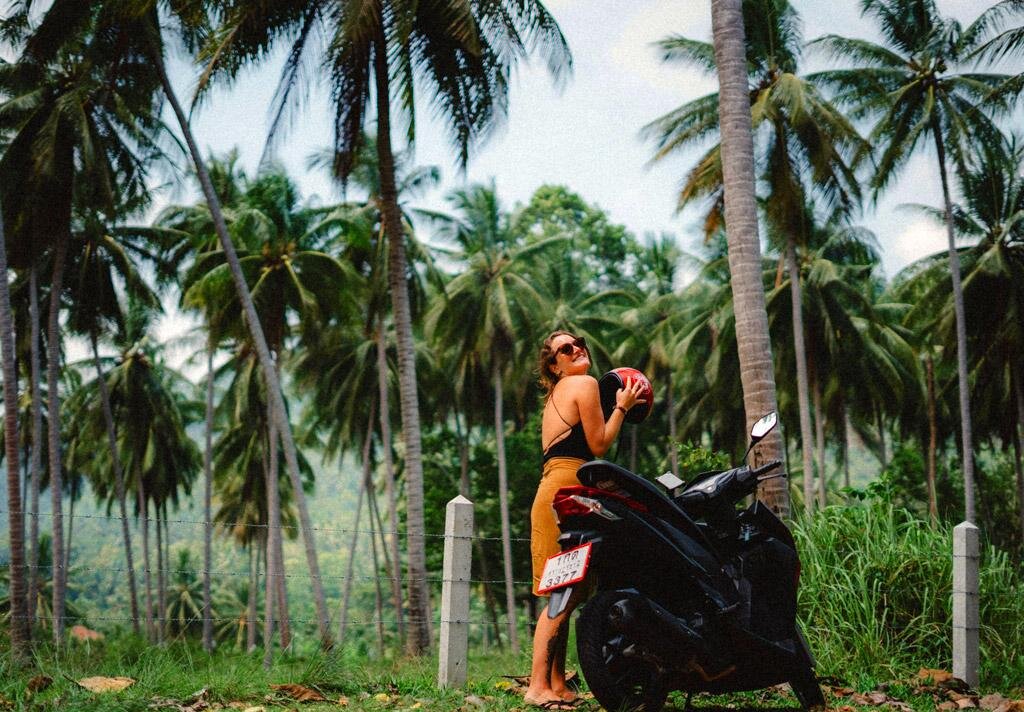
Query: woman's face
(574, 363)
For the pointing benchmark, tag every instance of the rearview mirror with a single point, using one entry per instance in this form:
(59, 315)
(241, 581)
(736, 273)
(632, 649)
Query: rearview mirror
(763, 426)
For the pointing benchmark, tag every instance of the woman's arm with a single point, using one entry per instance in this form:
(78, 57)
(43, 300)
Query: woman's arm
(601, 434)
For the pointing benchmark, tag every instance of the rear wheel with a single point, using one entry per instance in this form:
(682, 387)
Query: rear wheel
(616, 667)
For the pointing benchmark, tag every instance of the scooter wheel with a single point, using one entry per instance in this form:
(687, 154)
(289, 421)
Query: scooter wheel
(618, 675)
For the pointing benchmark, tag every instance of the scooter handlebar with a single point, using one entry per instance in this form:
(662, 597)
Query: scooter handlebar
(758, 471)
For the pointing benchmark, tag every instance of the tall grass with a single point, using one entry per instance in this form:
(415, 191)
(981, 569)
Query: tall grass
(876, 594)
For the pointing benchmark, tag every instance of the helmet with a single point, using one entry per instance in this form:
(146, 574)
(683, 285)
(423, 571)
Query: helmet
(611, 382)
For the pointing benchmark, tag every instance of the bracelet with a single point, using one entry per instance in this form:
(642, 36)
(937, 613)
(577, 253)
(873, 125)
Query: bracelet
(619, 407)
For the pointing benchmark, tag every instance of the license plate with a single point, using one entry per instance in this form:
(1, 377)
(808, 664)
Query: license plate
(565, 569)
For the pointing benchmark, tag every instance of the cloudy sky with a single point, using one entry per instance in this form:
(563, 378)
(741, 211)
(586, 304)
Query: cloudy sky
(586, 134)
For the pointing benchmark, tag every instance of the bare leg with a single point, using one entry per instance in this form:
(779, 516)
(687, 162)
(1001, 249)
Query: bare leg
(547, 674)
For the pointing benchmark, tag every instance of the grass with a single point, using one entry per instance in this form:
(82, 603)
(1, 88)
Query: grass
(175, 672)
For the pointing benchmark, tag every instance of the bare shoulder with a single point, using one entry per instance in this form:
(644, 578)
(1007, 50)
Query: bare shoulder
(580, 384)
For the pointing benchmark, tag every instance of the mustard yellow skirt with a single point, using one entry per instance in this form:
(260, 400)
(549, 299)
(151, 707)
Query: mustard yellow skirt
(559, 472)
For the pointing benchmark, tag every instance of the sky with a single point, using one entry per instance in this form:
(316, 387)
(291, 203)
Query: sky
(585, 134)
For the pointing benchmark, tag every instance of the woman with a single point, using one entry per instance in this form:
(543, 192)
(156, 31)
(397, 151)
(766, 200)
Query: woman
(573, 431)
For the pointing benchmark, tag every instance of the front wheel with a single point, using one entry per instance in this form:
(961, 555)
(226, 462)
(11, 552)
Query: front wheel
(620, 673)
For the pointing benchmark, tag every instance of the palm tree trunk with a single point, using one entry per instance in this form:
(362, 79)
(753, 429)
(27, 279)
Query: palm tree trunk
(844, 424)
(933, 437)
(883, 450)
(269, 543)
(802, 387)
(819, 441)
(71, 525)
(37, 445)
(53, 397)
(672, 431)
(389, 481)
(464, 485)
(19, 627)
(208, 507)
(347, 591)
(1018, 391)
(147, 574)
(275, 395)
(753, 344)
(378, 598)
(418, 639)
(489, 599)
(161, 581)
(377, 523)
(961, 334)
(119, 491)
(506, 530)
(250, 630)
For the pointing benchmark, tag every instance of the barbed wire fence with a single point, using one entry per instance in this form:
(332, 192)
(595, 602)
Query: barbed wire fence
(185, 622)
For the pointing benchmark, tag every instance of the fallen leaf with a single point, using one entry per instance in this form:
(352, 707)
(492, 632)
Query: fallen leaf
(947, 706)
(991, 702)
(382, 697)
(299, 692)
(258, 708)
(503, 685)
(966, 703)
(80, 632)
(933, 676)
(105, 684)
(38, 684)
(1011, 706)
(343, 701)
(474, 700)
(6, 704)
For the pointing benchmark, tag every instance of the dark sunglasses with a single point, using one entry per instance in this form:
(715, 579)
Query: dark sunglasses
(568, 348)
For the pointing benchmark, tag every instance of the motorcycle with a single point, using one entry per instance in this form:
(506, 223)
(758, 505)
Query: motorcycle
(692, 593)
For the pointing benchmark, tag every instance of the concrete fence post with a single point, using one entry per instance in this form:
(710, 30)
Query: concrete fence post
(458, 530)
(966, 555)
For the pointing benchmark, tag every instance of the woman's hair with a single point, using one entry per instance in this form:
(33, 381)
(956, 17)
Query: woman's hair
(546, 359)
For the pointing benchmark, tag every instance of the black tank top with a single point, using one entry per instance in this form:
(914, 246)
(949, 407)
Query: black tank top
(573, 445)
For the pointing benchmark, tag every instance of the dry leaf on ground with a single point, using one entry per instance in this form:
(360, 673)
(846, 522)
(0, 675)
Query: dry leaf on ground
(6, 704)
(935, 677)
(299, 692)
(105, 684)
(38, 684)
(80, 632)
(197, 702)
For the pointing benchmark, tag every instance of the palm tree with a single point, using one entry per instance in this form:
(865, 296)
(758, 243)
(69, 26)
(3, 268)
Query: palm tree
(78, 136)
(912, 85)
(464, 54)
(802, 146)
(755, 354)
(103, 257)
(138, 30)
(483, 313)
(19, 625)
(992, 216)
(288, 275)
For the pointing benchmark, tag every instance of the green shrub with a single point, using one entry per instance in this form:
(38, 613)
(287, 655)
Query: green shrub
(875, 596)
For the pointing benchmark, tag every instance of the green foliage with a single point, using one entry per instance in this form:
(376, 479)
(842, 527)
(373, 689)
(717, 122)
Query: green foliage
(695, 458)
(875, 596)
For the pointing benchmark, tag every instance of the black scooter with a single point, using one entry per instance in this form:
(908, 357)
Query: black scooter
(692, 594)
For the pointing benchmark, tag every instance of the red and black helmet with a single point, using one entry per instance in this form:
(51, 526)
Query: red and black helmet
(611, 382)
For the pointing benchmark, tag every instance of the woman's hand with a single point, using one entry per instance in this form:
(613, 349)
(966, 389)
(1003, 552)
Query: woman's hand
(629, 395)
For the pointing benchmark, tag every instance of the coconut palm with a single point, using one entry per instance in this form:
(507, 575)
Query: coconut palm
(77, 136)
(803, 146)
(463, 54)
(916, 86)
(484, 311)
(991, 215)
(740, 210)
(19, 624)
(138, 28)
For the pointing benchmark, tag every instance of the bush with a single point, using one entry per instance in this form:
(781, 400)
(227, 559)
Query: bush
(875, 596)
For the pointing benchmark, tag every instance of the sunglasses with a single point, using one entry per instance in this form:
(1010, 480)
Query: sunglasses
(569, 347)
